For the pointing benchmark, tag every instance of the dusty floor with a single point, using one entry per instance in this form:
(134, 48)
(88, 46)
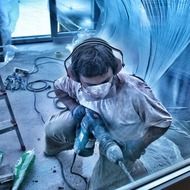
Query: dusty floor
(46, 172)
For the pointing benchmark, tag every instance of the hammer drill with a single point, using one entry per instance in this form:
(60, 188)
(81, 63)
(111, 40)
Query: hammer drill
(93, 124)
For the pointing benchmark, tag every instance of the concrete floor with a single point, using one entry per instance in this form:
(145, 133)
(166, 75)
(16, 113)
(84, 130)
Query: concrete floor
(45, 173)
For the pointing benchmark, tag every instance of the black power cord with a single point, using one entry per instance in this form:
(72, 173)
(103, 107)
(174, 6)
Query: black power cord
(36, 66)
(63, 174)
(44, 85)
(56, 101)
(72, 172)
(36, 109)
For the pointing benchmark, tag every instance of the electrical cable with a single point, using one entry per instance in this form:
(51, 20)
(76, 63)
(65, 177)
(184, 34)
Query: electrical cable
(30, 85)
(45, 86)
(74, 173)
(36, 65)
(71, 171)
(36, 109)
(49, 96)
(63, 175)
(56, 102)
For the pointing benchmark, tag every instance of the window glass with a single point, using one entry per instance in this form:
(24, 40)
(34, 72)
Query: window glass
(75, 15)
(33, 18)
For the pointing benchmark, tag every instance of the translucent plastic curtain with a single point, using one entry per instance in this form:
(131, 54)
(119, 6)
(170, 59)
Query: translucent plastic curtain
(170, 34)
(9, 12)
(154, 36)
(124, 24)
(151, 33)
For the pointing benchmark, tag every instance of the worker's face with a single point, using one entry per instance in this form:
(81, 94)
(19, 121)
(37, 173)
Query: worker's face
(98, 86)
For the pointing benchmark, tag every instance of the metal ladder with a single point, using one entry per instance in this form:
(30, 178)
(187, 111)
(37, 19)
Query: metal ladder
(9, 125)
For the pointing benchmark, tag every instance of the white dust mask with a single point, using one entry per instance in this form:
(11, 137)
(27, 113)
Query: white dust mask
(98, 91)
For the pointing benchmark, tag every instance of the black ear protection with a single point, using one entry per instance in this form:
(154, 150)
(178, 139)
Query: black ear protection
(97, 41)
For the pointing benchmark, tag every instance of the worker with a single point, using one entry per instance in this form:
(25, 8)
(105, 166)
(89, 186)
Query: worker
(132, 115)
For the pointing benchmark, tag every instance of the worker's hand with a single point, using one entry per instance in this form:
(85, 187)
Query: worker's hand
(108, 147)
(133, 149)
(93, 119)
(78, 113)
(90, 120)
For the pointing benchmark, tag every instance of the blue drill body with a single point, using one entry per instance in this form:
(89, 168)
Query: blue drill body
(82, 139)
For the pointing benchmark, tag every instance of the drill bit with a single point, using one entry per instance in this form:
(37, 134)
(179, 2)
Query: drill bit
(123, 167)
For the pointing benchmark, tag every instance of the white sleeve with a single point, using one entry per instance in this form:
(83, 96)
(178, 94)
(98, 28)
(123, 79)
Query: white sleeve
(67, 85)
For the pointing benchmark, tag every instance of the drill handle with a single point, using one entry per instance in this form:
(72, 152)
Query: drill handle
(82, 138)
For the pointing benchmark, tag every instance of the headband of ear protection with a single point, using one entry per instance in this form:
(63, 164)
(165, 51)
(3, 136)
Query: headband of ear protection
(96, 41)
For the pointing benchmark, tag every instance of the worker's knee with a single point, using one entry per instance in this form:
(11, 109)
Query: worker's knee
(60, 127)
(59, 133)
(53, 147)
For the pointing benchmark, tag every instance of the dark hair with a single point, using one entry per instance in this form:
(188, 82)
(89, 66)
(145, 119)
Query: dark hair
(92, 60)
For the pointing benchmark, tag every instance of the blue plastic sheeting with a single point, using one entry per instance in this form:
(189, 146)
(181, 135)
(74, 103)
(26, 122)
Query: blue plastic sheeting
(152, 34)
(155, 39)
